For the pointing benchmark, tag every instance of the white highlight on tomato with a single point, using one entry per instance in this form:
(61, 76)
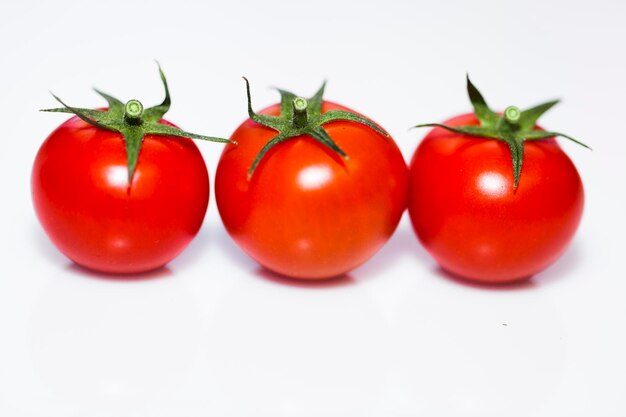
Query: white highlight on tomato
(492, 183)
(117, 175)
(314, 177)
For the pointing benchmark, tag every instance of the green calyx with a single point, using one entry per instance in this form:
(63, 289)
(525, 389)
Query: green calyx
(514, 127)
(300, 116)
(132, 121)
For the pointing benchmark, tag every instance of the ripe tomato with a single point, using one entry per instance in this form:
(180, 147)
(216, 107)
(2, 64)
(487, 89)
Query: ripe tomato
(470, 218)
(306, 212)
(83, 200)
(120, 190)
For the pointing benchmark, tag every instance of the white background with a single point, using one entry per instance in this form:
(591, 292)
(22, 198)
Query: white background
(214, 335)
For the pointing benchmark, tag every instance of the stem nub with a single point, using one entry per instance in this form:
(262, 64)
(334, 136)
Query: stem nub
(300, 116)
(133, 110)
(512, 114)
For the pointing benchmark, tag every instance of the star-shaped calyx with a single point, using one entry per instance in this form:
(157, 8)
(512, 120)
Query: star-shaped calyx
(132, 121)
(514, 127)
(300, 116)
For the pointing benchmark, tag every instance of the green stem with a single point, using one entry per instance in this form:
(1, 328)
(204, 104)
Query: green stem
(133, 110)
(300, 116)
(512, 115)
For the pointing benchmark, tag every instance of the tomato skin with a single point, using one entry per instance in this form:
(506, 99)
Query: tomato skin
(307, 213)
(468, 216)
(80, 193)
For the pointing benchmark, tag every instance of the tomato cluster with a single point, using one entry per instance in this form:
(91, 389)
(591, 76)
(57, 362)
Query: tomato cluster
(309, 188)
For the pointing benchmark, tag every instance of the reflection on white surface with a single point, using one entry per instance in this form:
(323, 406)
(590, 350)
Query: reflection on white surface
(117, 175)
(492, 183)
(110, 345)
(314, 176)
(478, 349)
(289, 361)
(113, 389)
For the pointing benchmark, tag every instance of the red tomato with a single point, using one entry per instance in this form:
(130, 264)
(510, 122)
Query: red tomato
(468, 216)
(83, 201)
(306, 212)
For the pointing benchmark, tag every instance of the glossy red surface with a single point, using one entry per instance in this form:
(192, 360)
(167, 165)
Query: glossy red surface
(82, 199)
(306, 212)
(470, 219)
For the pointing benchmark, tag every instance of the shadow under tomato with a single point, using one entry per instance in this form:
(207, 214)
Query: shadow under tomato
(224, 243)
(275, 278)
(194, 252)
(221, 241)
(53, 255)
(45, 248)
(161, 272)
(524, 284)
(563, 267)
(402, 243)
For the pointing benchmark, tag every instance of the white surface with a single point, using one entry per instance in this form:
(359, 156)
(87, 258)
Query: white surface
(213, 335)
